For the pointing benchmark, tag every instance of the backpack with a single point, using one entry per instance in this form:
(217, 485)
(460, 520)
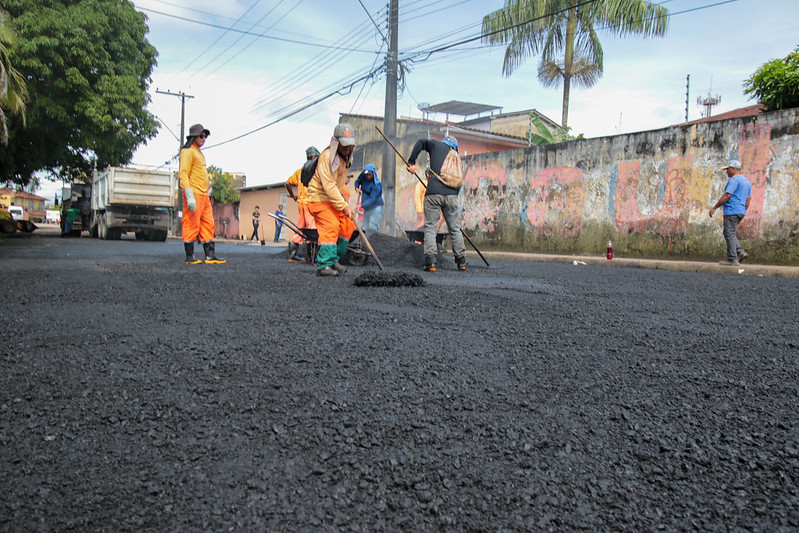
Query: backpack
(452, 171)
(308, 170)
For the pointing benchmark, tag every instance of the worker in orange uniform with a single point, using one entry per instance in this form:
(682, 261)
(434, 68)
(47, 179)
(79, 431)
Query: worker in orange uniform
(304, 217)
(327, 205)
(198, 217)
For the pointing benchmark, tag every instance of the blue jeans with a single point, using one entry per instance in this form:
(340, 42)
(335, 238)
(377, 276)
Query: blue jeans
(372, 217)
(277, 232)
(447, 205)
(734, 250)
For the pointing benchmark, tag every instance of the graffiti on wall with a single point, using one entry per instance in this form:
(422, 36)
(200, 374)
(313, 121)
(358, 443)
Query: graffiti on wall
(483, 189)
(556, 203)
(754, 153)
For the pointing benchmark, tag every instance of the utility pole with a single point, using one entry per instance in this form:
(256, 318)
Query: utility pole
(182, 97)
(687, 88)
(390, 119)
(176, 227)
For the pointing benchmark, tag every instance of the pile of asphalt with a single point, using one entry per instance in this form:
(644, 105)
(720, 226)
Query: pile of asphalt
(138, 393)
(388, 279)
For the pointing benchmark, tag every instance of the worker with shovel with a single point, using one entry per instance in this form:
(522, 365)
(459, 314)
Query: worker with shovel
(327, 205)
(441, 197)
(304, 217)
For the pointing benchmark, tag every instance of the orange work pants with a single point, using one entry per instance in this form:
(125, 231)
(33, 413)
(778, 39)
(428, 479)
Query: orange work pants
(304, 221)
(200, 222)
(330, 222)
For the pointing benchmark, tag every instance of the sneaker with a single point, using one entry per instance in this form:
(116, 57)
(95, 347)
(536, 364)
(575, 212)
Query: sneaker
(338, 267)
(742, 257)
(327, 271)
(727, 262)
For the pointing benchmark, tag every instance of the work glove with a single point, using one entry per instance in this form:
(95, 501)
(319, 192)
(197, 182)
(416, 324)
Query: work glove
(190, 201)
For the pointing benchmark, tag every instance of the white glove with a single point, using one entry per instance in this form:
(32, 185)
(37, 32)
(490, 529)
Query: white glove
(190, 201)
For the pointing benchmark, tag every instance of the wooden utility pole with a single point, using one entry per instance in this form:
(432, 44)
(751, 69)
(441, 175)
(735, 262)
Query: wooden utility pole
(176, 226)
(390, 120)
(182, 97)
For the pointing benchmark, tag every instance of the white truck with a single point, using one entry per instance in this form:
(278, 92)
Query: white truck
(133, 200)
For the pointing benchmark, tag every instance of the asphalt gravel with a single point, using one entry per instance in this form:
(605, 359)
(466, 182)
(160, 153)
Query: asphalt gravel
(139, 393)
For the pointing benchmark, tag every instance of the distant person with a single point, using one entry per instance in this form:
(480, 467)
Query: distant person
(304, 217)
(439, 199)
(278, 222)
(736, 198)
(327, 204)
(371, 190)
(256, 221)
(198, 217)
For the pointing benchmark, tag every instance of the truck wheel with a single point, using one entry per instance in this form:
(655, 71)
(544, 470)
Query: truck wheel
(158, 235)
(140, 235)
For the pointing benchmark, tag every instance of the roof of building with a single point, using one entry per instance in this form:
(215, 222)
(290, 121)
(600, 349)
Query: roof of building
(742, 112)
(456, 107)
(451, 125)
(20, 194)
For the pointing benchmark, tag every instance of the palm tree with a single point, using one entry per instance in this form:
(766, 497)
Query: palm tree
(563, 31)
(13, 91)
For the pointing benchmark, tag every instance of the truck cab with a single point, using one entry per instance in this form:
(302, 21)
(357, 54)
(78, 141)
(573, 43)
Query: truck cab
(17, 212)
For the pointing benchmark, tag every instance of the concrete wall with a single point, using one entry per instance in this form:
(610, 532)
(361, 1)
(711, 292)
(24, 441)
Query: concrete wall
(649, 192)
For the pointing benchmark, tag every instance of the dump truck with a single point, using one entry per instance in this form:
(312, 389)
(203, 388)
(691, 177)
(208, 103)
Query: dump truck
(132, 200)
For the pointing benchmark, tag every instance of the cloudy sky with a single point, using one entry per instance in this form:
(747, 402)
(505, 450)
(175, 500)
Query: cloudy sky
(270, 77)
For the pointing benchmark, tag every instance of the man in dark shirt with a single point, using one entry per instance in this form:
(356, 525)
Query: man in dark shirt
(256, 221)
(439, 200)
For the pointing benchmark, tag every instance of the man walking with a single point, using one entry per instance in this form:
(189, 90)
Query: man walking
(439, 199)
(256, 221)
(278, 222)
(198, 217)
(331, 212)
(736, 198)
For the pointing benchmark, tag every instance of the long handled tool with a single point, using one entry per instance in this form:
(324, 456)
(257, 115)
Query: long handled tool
(425, 186)
(369, 246)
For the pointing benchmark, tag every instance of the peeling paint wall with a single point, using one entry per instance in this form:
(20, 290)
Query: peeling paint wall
(649, 192)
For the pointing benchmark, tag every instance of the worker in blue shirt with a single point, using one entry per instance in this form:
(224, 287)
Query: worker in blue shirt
(736, 198)
(371, 191)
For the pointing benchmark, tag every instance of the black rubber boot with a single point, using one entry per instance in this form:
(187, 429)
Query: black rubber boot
(430, 263)
(293, 246)
(460, 262)
(190, 259)
(210, 254)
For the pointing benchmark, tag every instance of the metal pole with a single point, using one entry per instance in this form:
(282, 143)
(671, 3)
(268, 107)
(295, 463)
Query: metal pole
(390, 118)
(176, 228)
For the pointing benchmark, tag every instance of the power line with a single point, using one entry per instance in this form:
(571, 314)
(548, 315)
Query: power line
(271, 37)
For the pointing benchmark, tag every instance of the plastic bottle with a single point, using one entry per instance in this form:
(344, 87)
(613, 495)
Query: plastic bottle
(610, 250)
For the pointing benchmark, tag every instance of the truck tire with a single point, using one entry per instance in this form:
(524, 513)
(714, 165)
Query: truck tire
(158, 235)
(102, 229)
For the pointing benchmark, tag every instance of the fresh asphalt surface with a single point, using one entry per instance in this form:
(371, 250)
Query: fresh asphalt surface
(139, 393)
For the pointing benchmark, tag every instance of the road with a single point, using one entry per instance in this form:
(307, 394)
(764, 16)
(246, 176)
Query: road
(140, 393)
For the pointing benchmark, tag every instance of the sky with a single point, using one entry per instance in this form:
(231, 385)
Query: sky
(268, 78)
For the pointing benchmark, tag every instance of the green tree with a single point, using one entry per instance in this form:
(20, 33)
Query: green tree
(222, 190)
(776, 83)
(87, 66)
(564, 32)
(543, 135)
(13, 91)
